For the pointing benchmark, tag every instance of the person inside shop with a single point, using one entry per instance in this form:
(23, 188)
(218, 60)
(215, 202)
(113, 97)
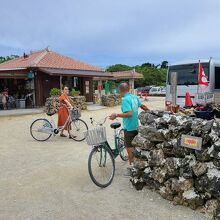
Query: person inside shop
(5, 98)
(63, 112)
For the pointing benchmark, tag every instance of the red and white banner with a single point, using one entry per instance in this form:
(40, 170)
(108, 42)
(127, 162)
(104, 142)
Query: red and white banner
(202, 78)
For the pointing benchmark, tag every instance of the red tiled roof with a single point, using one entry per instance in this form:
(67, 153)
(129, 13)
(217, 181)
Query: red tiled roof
(48, 59)
(130, 74)
(127, 74)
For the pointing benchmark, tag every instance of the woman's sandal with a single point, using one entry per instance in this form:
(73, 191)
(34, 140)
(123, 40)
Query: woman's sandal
(62, 135)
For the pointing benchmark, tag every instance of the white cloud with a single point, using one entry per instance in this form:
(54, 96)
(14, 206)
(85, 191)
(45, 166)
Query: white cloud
(108, 31)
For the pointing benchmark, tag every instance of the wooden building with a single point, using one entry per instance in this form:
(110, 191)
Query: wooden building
(39, 72)
(120, 76)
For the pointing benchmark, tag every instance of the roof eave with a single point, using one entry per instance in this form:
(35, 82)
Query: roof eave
(11, 69)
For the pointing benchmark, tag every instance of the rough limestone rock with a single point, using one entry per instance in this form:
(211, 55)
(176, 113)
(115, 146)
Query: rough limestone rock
(142, 143)
(182, 184)
(192, 199)
(158, 174)
(79, 102)
(185, 176)
(156, 158)
(111, 100)
(212, 208)
(199, 169)
(52, 104)
(151, 134)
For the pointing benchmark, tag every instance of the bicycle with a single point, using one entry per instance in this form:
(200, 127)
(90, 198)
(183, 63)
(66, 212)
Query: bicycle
(42, 129)
(101, 161)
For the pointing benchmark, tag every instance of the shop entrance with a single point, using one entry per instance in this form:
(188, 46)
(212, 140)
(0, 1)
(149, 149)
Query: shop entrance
(20, 93)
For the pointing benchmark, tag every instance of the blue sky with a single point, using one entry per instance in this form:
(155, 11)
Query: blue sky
(105, 32)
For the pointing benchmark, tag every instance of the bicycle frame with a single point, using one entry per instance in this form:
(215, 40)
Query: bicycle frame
(116, 150)
(54, 128)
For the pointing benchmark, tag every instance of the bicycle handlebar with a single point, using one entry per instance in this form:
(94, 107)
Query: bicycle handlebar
(98, 122)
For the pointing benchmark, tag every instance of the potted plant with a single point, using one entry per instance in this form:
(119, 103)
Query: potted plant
(74, 92)
(54, 92)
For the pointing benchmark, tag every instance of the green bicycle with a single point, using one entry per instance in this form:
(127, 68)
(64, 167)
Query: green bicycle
(101, 162)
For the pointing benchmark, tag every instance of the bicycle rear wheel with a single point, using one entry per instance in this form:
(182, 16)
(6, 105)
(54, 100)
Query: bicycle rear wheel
(40, 129)
(122, 150)
(101, 165)
(77, 130)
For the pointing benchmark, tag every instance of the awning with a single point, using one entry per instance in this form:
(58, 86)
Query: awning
(14, 74)
(68, 72)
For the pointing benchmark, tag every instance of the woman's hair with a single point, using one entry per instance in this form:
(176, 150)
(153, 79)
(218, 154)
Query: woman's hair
(63, 87)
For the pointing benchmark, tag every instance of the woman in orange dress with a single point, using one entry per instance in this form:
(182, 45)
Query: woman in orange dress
(63, 112)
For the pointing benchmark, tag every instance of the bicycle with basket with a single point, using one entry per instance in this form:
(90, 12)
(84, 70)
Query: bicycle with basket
(101, 162)
(42, 129)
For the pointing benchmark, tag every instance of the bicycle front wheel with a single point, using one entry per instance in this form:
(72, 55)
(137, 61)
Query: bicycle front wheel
(77, 130)
(41, 129)
(101, 165)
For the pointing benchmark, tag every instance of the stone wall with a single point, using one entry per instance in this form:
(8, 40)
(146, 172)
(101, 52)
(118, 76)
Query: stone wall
(52, 103)
(111, 100)
(185, 176)
(96, 98)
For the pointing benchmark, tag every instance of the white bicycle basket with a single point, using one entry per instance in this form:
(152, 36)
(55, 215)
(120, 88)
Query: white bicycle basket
(75, 114)
(96, 136)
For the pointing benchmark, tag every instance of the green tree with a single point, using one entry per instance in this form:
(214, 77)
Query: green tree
(4, 59)
(118, 67)
(152, 74)
(164, 64)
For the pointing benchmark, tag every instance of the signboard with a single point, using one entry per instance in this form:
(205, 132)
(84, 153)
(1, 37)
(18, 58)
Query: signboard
(173, 87)
(87, 87)
(191, 142)
(204, 98)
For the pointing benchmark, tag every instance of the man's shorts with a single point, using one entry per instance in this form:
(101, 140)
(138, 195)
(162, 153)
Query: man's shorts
(128, 137)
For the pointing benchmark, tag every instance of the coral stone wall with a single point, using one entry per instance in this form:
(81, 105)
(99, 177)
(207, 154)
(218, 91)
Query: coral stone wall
(185, 176)
(111, 100)
(52, 103)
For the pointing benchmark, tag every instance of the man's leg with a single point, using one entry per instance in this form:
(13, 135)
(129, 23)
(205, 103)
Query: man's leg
(130, 151)
(128, 137)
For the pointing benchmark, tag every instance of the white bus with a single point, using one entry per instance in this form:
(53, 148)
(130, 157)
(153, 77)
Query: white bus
(187, 80)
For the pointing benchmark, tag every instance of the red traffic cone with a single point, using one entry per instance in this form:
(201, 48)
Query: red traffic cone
(188, 100)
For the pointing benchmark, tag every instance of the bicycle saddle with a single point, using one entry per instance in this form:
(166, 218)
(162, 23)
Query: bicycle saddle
(50, 113)
(115, 125)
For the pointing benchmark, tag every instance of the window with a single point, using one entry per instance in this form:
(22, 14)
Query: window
(217, 77)
(187, 74)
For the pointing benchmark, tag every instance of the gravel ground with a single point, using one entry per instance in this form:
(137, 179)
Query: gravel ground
(50, 180)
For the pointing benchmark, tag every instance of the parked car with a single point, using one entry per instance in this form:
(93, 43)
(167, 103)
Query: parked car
(163, 91)
(157, 90)
(143, 91)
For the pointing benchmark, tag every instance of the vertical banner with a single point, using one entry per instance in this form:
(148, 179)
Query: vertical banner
(87, 87)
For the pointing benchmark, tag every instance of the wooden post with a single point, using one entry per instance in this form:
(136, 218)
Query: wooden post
(131, 85)
(100, 88)
(61, 84)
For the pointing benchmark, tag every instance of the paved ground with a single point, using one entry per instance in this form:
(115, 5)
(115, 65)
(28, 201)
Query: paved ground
(50, 180)
(17, 112)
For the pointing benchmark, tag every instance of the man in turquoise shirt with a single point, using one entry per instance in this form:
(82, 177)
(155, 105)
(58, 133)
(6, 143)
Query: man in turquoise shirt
(129, 108)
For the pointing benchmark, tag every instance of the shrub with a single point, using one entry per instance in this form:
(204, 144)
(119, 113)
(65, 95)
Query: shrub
(54, 92)
(74, 92)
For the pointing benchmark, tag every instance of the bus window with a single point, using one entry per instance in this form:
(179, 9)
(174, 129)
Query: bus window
(217, 77)
(187, 74)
